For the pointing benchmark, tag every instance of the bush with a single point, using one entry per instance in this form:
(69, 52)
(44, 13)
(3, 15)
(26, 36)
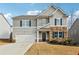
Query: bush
(54, 42)
(74, 43)
(68, 41)
(64, 43)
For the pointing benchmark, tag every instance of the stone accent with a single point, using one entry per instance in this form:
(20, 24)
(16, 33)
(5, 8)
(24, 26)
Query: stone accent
(58, 29)
(55, 29)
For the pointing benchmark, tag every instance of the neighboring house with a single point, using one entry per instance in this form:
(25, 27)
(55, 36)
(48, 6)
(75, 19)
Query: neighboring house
(74, 31)
(4, 28)
(49, 25)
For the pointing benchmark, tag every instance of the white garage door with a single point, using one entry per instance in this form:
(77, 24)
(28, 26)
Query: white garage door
(25, 38)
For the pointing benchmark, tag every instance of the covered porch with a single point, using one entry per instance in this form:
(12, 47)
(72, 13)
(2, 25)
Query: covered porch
(49, 34)
(43, 34)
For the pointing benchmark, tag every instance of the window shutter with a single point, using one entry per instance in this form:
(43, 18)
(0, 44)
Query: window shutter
(61, 21)
(55, 21)
(63, 34)
(29, 22)
(53, 34)
(20, 23)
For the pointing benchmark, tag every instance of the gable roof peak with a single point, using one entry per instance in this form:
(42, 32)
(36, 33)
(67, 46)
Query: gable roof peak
(56, 7)
(52, 6)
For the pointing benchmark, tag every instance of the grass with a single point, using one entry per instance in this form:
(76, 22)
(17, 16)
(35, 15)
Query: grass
(44, 48)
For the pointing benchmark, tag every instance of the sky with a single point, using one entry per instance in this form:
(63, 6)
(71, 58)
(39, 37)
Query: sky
(15, 9)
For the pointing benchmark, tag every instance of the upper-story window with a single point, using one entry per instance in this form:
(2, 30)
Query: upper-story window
(25, 23)
(58, 21)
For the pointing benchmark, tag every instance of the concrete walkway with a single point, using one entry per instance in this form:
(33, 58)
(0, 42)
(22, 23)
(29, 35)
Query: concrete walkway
(15, 48)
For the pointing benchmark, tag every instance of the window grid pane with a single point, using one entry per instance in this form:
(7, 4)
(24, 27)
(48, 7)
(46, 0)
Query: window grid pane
(55, 34)
(61, 34)
(27, 23)
(58, 34)
(23, 23)
(58, 21)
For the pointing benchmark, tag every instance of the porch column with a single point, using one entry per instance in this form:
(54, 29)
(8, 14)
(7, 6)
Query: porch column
(50, 35)
(37, 36)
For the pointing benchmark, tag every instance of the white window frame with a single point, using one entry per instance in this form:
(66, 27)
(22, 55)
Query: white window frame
(58, 23)
(58, 35)
(25, 23)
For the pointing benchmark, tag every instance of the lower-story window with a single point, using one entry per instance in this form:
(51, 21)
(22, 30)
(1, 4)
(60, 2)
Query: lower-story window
(58, 35)
(55, 34)
(61, 34)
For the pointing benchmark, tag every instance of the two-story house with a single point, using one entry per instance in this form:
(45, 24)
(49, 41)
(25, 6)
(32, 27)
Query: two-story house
(49, 25)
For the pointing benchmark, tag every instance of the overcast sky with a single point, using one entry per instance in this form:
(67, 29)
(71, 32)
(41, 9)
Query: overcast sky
(15, 9)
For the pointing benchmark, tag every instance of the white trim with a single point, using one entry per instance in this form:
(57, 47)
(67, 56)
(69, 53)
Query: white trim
(24, 27)
(58, 21)
(58, 25)
(43, 26)
(47, 10)
(46, 36)
(37, 36)
(25, 22)
(58, 34)
(38, 27)
(55, 11)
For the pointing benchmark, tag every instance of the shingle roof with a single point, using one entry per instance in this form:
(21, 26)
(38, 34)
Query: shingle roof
(30, 16)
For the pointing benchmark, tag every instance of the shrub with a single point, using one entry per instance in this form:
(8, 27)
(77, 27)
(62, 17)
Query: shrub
(74, 43)
(68, 41)
(54, 42)
(64, 43)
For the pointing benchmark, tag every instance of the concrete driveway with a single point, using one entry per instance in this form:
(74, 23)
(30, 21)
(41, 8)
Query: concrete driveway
(15, 48)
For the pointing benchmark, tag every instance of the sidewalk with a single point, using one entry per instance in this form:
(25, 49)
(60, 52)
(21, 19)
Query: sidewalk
(15, 48)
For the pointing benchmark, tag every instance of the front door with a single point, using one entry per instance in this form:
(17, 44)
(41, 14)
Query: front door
(43, 36)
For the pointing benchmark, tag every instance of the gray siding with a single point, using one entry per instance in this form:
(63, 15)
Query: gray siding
(16, 23)
(74, 31)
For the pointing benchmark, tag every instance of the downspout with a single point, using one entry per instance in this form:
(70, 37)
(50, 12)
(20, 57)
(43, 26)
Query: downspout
(11, 39)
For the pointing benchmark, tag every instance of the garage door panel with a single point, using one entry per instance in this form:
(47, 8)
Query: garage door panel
(25, 38)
